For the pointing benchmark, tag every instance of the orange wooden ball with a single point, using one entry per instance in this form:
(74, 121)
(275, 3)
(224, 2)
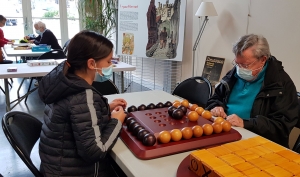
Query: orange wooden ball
(164, 136)
(197, 131)
(185, 103)
(199, 110)
(176, 104)
(219, 119)
(226, 126)
(193, 107)
(217, 127)
(207, 129)
(176, 134)
(176, 101)
(193, 116)
(206, 114)
(187, 132)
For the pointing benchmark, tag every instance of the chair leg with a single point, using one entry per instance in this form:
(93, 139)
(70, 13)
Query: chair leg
(28, 89)
(11, 80)
(9, 84)
(2, 90)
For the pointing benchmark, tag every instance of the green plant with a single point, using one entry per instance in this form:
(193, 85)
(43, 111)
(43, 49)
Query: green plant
(51, 14)
(99, 16)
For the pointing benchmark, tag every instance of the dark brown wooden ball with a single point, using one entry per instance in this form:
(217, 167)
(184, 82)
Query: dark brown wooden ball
(141, 134)
(131, 109)
(159, 105)
(142, 107)
(132, 125)
(167, 104)
(151, 106)
(136, 129)
(129, 120)
(149, 140)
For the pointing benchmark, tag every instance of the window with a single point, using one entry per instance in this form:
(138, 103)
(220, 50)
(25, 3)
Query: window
(21, 17)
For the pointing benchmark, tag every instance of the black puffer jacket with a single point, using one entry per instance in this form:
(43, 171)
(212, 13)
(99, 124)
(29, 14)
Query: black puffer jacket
(275, 109)
(78, 131)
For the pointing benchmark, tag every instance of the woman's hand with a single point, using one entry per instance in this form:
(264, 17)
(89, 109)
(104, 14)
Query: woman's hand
(118, 113)
(117, 102)
(218, 112)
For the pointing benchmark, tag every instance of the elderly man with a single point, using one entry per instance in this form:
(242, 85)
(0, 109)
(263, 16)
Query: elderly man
(45, 36)
(257, 93)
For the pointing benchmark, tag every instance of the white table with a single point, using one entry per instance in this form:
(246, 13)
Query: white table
(23, 71)
(10, 52)
(164, 166)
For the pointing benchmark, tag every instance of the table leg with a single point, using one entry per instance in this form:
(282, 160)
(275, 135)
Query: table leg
(16, 59)
(7, 100)
(114, 78)
(122, 82)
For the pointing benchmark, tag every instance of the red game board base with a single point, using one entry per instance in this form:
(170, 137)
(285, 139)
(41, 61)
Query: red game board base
(156, 120)
(183, 169)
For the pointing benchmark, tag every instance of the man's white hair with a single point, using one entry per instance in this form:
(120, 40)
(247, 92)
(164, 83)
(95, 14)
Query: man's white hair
(40, 24)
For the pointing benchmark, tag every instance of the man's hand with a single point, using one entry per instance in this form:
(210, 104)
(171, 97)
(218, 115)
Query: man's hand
(218, 112)
(235, 120)
(26, 37)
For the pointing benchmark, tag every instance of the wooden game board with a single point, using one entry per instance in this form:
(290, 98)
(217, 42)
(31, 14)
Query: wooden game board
(157, 120)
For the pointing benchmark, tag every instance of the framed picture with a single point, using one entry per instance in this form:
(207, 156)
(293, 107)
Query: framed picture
(212, 69)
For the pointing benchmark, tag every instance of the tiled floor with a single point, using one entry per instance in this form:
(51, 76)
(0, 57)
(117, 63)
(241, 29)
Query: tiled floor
(10, 164)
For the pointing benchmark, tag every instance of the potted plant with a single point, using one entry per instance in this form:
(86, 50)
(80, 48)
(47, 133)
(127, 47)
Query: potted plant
(99, 16)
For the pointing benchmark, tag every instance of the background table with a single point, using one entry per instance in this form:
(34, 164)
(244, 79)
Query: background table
(164, 166)
(23, 71)
(10, 52)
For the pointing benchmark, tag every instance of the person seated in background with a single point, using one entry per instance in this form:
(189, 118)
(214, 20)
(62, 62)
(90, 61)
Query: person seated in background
(257, 94)
(80, 126)
(45, 36)
(3, 41)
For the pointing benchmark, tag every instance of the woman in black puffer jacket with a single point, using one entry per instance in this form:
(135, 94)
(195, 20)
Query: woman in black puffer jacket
(79, 128)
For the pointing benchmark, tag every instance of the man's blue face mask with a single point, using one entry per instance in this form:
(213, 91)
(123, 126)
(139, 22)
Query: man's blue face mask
(106, 73)
(38, 32)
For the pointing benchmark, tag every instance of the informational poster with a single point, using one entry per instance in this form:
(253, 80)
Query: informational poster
(212, 69)
(151, 28)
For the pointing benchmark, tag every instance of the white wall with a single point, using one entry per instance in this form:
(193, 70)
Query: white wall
(277, 20)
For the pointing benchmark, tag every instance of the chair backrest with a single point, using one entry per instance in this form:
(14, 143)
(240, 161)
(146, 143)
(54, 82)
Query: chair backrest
(298, 123)
(22, 131)
(196, 90)
(53, 54)
(297, 144)
(65, 47)
(1, 55)
(106, 88)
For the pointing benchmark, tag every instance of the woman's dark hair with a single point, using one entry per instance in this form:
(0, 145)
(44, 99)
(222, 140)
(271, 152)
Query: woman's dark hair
(85, 45)
(2, 18)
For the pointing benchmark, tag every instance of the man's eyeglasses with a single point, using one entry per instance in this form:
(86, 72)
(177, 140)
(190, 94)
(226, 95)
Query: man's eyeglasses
(242, 65)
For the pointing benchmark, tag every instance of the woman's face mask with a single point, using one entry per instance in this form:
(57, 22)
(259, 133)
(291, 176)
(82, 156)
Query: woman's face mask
(106, 73)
